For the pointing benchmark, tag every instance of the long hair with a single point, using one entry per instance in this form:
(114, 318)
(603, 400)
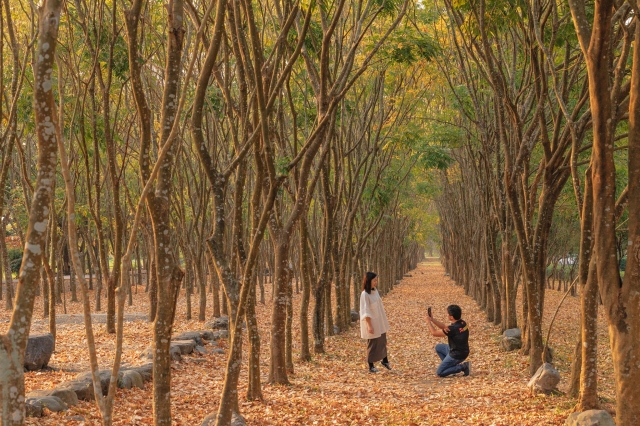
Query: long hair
(366, 282)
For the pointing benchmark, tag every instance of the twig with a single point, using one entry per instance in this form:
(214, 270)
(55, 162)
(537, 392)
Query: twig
(546, 343)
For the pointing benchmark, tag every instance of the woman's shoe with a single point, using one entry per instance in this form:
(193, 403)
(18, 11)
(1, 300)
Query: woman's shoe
(386, 365)
(373, 370)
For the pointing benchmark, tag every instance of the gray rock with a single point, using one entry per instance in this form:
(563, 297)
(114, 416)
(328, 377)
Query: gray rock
(354, 316)
(82, 388)
(35, 406)
(176, 350)
(513, 332)
(186, 346)
(590, 418)
(196, 336)
(201, 350)
(236, 420)
(511, 343)
(130, 379)
(145, 371)
(221, 334)
(220, 323)
(218, 351)
(176, 353)
(545, 380)
(512, 339)
(105, 379)
(68, 396)
(206, 334)
(39, 350)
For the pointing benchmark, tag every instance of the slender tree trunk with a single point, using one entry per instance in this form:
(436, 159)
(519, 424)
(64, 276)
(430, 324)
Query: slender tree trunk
(576, 368)
(621, 299)
(153, 291)
(622, 302)
(509, 286)
(4, 258)
(72, 285)
(589, 357)
(52, 299)
(254, 387)
(305, 264)
(188, 285)
(202, 289)
(288, 347)
(277, 366)
(328, 308)
(13, 344)
(45, 292)
(213, 277)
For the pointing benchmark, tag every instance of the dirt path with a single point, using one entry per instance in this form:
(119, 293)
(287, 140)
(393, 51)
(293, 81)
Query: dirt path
(336, 387)
(345, 393)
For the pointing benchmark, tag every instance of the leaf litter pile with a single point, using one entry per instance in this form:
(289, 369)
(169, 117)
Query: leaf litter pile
(336, 387)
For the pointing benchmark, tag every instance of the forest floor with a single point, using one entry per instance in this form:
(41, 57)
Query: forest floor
(336, 387)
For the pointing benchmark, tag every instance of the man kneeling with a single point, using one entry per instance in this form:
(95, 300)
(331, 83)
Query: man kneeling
(453, 354)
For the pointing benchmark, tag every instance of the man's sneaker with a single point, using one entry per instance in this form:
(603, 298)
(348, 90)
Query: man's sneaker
(373, 370)
(386, 365)
(466, 368)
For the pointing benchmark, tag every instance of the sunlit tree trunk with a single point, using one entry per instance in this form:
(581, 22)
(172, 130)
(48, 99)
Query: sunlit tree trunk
(14, 343)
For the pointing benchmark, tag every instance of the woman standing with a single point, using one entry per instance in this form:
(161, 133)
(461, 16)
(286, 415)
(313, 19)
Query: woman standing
(373, 322)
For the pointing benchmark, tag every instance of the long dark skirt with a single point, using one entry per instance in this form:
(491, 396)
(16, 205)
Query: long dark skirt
(377, 348)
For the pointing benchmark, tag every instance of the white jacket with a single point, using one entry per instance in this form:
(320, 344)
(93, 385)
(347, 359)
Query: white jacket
(371, 307)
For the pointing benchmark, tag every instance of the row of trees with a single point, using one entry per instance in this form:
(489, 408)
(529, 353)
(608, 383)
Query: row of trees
(216, 140)
(546, 97)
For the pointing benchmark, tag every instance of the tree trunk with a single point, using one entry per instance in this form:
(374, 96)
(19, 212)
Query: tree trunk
(213, 277)
(72, 285)
(277, 365)
(202, 288)
(510, 288)
(576, 367)
(588, 399)
(305, 259)
(8, 276)
(621, 299)
(622, 304)
(45, 292)
(288, 347)
(254, 387)
(188, 285)
(13, 344)
(153, 291)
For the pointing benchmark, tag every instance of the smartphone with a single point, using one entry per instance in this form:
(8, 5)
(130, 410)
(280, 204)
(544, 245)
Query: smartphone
(429, 311)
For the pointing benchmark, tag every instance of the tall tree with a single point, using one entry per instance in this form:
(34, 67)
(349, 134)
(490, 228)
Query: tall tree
(13, 345)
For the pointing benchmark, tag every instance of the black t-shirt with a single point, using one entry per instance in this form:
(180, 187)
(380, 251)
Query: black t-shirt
(458, 336)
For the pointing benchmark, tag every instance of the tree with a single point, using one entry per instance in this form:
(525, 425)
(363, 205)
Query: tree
(13, 345)
(620, 297)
